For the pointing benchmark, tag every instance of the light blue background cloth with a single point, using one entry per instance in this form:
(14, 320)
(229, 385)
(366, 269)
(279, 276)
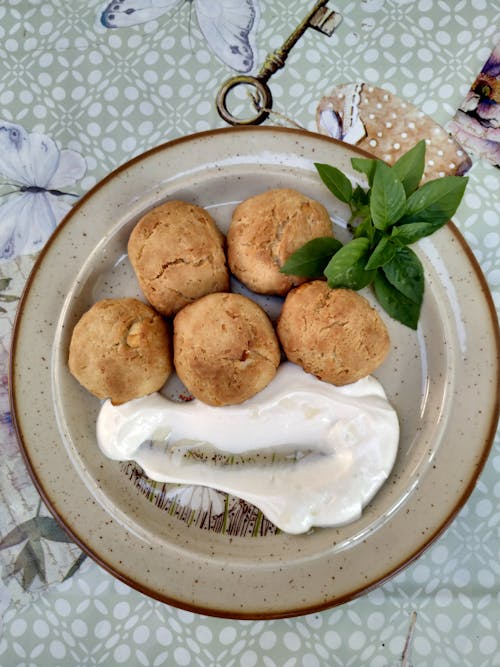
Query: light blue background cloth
(104, 95)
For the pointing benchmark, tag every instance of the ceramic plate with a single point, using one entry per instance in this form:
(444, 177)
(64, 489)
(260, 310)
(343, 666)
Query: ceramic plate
(214, 554)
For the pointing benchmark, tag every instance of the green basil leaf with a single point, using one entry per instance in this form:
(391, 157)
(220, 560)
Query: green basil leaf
(365, 166)
(383, 253)
(385, 220)
(435, 201)
(387, 197)
(364, 229)
(335, 181)
(310, 260)
(410, 167)
(394, 302)
(347, 266)
(360, 196)
(413, 231)
(406, 273)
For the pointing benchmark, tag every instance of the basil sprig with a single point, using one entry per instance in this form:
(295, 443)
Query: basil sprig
(386, 218)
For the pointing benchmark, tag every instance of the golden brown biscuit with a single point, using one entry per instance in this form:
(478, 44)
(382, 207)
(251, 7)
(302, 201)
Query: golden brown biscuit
(177, 253)
(332, 333)
(265, 230)
(225, 348)
(120, 349)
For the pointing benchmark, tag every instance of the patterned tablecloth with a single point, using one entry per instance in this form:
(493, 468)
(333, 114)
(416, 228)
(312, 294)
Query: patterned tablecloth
(83, 88)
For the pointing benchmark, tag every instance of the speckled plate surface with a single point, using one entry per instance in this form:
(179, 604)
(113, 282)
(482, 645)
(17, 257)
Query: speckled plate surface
(442, 380)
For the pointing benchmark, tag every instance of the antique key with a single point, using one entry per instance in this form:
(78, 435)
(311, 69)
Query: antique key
(320, 18)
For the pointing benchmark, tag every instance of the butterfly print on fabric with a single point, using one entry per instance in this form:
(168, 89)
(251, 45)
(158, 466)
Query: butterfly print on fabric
(229, 26)
(34, 175)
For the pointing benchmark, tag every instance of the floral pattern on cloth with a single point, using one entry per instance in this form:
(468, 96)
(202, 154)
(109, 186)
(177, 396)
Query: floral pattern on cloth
(34, 177)
(34, 550)
(476, 124)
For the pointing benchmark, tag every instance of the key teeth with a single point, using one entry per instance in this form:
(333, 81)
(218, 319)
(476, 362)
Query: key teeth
(325, 20)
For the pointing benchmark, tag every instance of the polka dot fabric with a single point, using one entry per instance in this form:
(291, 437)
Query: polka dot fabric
(391, 126)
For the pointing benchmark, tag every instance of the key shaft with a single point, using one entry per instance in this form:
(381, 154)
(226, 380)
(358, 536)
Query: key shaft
(276, 59)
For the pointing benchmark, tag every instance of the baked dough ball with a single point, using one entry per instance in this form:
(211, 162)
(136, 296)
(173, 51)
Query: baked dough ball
(177, 253)
(121, 349)
(225, 348)
(265, 230)
(334, 334)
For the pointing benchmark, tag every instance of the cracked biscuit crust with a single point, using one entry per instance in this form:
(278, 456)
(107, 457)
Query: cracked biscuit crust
(121, 349)
(177, 253)
(265, 230)
(334, 334)
(225, 348)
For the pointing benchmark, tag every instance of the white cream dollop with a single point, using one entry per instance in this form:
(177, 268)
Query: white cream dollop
(347, 438)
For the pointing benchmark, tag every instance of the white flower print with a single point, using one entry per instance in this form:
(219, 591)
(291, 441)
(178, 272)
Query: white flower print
(199, 498)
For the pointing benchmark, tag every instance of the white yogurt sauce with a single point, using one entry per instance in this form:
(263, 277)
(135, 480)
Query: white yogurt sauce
(347, 438)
